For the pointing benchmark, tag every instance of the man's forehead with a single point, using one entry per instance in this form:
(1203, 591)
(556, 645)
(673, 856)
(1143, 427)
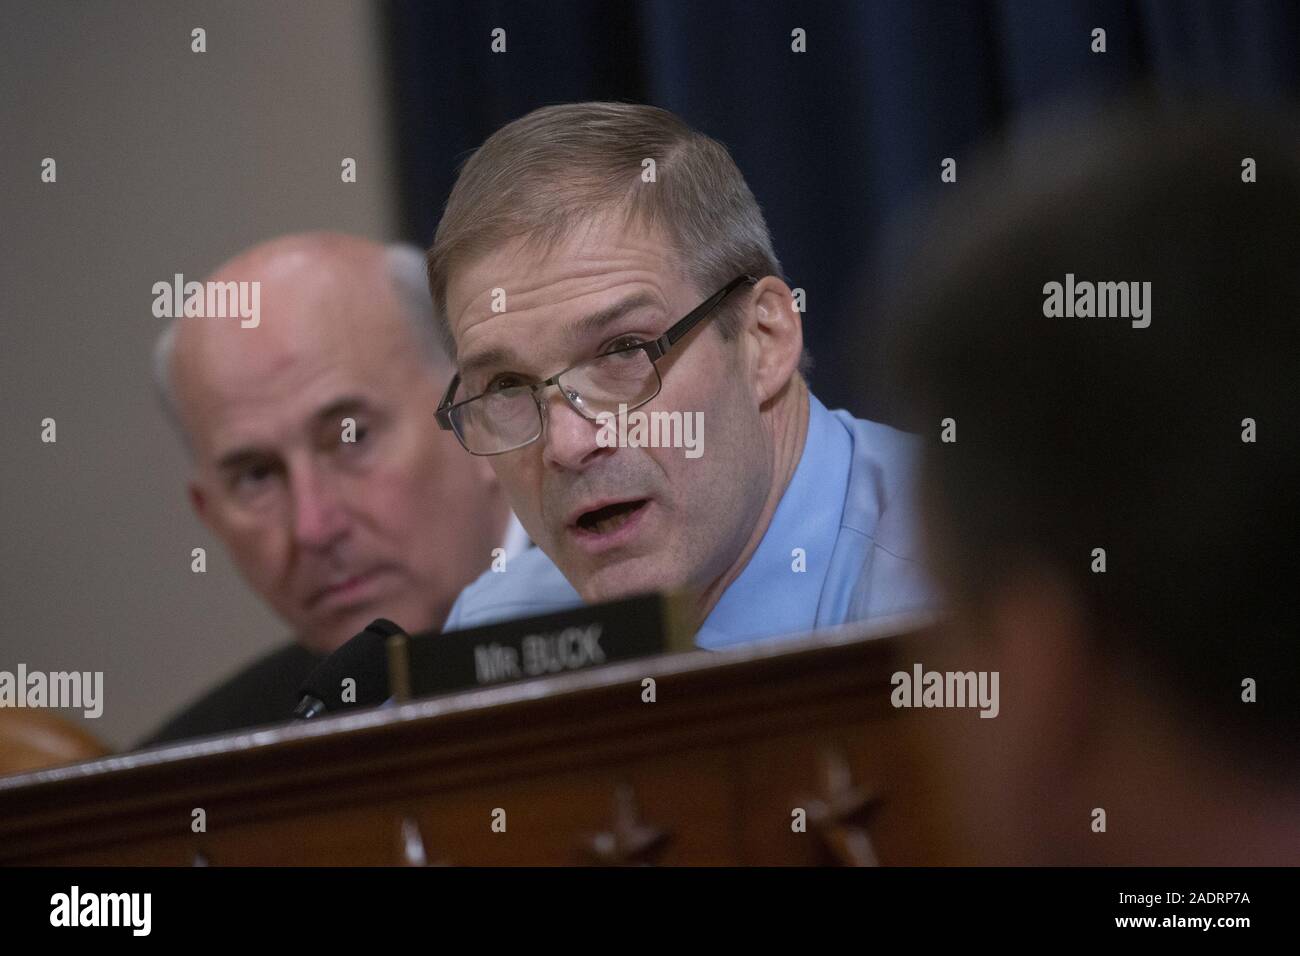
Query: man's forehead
(216, 357)
(301, 404)
(529, 270)
(576, 287)
(239, 431)
(234, 382)
(310, 311)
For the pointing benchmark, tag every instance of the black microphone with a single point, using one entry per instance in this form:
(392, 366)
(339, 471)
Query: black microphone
(364, 659)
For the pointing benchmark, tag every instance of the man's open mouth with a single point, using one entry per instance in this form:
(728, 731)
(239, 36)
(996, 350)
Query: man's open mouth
(609, 518)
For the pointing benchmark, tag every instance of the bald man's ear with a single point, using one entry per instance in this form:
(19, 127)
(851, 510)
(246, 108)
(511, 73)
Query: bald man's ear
(775, 333)
(199, 502)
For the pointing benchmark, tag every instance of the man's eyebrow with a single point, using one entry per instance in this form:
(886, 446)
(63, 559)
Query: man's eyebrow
(580, 330)
(486, 359)
(341, 407)
(598, 320)
(239, 457)
(330, 414)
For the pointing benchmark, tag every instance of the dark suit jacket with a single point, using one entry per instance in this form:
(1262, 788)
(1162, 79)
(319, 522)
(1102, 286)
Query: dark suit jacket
(264, 692)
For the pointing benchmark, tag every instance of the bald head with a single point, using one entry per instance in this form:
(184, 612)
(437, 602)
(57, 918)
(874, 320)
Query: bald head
(316, 455)
(316, 278)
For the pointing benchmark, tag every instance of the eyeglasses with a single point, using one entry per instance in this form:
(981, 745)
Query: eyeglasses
(504, 419)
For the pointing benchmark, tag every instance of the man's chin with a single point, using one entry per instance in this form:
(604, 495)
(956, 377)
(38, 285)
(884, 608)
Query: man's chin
(326, 637)
(625, 579)
(326, 641)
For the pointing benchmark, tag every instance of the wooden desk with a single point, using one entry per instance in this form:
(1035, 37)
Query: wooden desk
(577, 767)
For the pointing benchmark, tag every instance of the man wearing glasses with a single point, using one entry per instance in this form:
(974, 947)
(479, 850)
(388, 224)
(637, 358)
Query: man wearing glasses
(602, 259)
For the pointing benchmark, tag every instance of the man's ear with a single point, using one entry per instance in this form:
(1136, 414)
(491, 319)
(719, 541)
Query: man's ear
(199, 502)
(775, 332)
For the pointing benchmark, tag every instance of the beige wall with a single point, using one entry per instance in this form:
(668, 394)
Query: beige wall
(168, 161)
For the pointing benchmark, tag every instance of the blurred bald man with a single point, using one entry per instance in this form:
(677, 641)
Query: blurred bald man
(332, 533)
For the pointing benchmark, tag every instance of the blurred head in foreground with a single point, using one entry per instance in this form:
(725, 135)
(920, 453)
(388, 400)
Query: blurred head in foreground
(332, 525)
(1104, 326)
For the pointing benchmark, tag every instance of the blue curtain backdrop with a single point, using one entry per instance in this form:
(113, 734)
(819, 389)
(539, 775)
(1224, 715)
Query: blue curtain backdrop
(836, 141)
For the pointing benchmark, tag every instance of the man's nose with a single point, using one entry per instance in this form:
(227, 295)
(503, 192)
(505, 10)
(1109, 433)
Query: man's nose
(569, 439)
(319, 515)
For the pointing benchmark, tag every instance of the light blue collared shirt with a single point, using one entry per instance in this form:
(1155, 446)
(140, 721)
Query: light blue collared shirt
(847, 519)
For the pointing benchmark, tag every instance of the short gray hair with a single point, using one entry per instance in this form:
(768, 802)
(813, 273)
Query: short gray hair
(542, 175)
(404, 265)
